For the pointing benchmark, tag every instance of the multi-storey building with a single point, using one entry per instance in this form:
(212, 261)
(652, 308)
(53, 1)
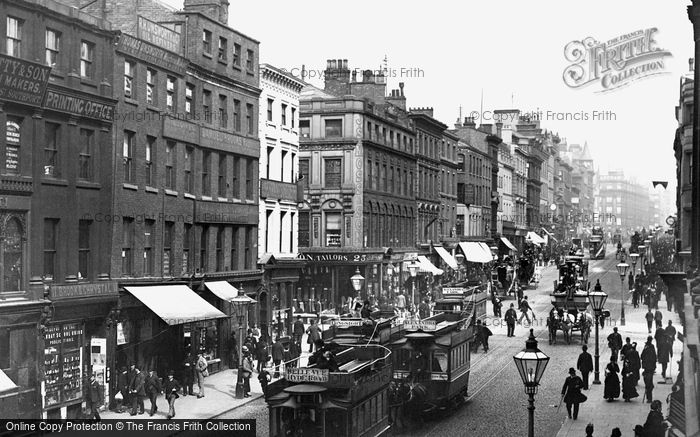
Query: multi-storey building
(55, 179)
(449, 168)
(506, 206)
(623, 203)
(357, 156)
(562, 214)
(278, 213)
(520, 158)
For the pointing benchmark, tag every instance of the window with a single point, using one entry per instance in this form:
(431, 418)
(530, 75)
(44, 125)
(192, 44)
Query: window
(150, 150)
(189, 168)
(235, 179)
(249, 174)
(223, 49)
(53, 47)
(282, 160)
(52, 138)
(129, 72)
(14, 37)
(250, 118)
(305, 128)
(127, 246)
(206, 171)
(234, 247)
(171, 93)
(270, 102)
(222, 175)
(50, 244)
(268, 229)
(332, 173)
(223, 103)
(333, 229)
(127, 153)
(167, 247)
(304, 171)
(149, 241)
(206, 41)
(250, 61)
(236, 55)
(220, 249)
(206, 105)
(203, 242)
(303, 233)
(12, 249)
(284, 114)
(334, 128)
(189, 98)
(249, 236)
(87, 138)
(87, 55)
(291, 232)
(293, 117)
(151, 86)
(170, 159)
(236, 115)
(186, 246)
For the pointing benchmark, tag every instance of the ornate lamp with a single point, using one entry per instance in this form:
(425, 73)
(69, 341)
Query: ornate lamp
(597, 299)
(240, 306)
(622, 271)
(531, 363)
(357, 280)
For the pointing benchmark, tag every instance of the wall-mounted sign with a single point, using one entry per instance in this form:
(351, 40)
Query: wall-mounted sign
(23, 81)
(121, 336)
(153, 54)
(158, 35)
(12, 143)
(342, 258)
(305, 374)
(58, 292)
(346, 323)
(81, 106)
(420, 325)
(453, 290)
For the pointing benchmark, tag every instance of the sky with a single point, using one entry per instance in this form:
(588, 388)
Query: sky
(448, 53)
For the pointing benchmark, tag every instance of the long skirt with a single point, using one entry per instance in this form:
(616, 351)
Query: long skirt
(629, 389)
(612, 386)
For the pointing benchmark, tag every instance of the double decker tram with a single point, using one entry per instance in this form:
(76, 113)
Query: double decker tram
(432, 361)
(352, 401)
(351, 331)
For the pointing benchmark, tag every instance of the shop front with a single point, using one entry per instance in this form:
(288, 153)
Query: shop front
(281, 295)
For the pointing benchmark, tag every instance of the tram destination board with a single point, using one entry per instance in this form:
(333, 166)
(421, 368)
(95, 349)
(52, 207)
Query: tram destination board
(420, 325)
(306, 374)
(347, 323)
(453, 291)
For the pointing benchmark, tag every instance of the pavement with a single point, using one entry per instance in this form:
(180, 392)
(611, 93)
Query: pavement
(220, 397)
(620, 414)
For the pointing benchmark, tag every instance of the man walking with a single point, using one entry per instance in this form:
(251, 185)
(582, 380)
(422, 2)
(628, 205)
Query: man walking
(658, 316)
(95, 398)
(650, 319)
(649, 356)
(137, 390)
(188, 374)
(615, 343)
(201, 369)
(123, 387)
(524, 310)
(277, 355)
(585, 365)
(510, 319)
(298, 330)
(172, 386)
(571, 392)
(153, 388)
(671, 334)
(648, 385)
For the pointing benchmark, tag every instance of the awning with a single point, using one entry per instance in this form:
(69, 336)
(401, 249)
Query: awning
(488, 251)
(535, 238)
(175, 304)
(473, 252)
(447, 257)
(427, 267)
(6, 383)
(508, 244)
(222, 289)
(550, 234)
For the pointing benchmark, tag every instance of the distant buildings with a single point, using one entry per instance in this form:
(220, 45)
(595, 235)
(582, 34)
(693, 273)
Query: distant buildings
(622, 203)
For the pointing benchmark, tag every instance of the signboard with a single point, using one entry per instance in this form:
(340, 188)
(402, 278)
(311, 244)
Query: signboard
(410, 256)
(158, 35)
(342, 258)
(58, 292)
(23, 81)
(62, 363)
(121, 338)
(420, 325)
(12, 143)
(453, 290)
(346, 323)
(153, 54)
(305, 374)
(76, 105)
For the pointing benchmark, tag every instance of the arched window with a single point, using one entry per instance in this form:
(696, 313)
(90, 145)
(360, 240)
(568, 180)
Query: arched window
(12, 259)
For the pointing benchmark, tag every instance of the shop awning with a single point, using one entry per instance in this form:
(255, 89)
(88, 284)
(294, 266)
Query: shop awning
(550, 234)
(508, 244)
(535, 238)
(6, 383)
(427, 267)
(222, 289)
(175, 304)
(474, 252)
(447, 257)
(488, 251)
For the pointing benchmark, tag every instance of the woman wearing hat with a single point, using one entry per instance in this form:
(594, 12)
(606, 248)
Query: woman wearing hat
(170, 388)
(629, 390)
(612, 381)
(571, 391)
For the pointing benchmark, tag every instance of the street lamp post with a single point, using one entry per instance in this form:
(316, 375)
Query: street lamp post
(357, 280)
(597, 299)
(633, 258)
(642, 249)
(622, 270)
(531, 363)
(413, 270)
(240, 306)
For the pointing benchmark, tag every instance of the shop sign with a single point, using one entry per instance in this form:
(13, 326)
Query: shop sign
(343, 258)
(23, 81)
(306, 374)
(453, 290)
(79, 106)
(158, 35)
(420, 325)
(153, 54)
(346, 323)
(121, 337)
(99, 289)
(410, 256)
(12, 143)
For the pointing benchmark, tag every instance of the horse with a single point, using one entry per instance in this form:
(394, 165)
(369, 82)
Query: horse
(413, 398)
(584, 322)
(560, 320)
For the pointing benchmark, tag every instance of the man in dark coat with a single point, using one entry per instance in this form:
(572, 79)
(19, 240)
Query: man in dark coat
(510, 318)
(571, 391)
(663, 355)
(277, 351)
(188, 365)
(123, 387)
(658, 316)
(671, 334)
(298, 330)
(261, 354)
(626, 348)
(153, 388)
(650, 319)
(648, 385)
(137, 390)
(171, 387)
(95, 398)
(615, 343)
(649, 356)
(585, 365)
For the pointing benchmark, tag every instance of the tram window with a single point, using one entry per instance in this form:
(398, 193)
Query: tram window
(439, 362)
(404, 358)
(373, 410)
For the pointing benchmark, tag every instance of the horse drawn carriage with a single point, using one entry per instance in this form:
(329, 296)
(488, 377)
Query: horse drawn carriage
(570, 301)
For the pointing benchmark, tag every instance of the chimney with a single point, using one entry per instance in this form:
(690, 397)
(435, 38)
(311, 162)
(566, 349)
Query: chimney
(691, 64)
(223, 11)
(401, 88)
(397, 98)
(336, 77)
(213, 9)
(469, 122)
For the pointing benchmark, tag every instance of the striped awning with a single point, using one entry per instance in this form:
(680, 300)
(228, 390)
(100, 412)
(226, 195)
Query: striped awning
(447, 257)
(508, 244)
(474, 252)
(427, 267)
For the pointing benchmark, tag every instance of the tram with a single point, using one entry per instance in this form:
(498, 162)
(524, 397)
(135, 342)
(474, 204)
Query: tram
(596, 243)
(351, 331)
(463, 300)
(352, 402)
(432, 361)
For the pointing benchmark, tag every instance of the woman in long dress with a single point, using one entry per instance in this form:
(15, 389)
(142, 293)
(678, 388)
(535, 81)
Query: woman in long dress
(612, 382)
(629, 383)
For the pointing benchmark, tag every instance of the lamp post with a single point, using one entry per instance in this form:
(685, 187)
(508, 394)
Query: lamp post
(633, 258)
(240, 306)
(642, 249)
(413, 270)
(622, 270)
(531, 363)
(357, 280)
(597, 299)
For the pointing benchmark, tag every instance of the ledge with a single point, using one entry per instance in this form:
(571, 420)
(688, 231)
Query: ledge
(222, 199)
(130, 186)
(88, 185)
(151, 190)
(52, 181)
(189, 196)
(130, 101)
(171, 192)
(206, 198)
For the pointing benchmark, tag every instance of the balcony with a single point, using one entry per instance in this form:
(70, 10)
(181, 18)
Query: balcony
(19, 185)
(270, 189)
